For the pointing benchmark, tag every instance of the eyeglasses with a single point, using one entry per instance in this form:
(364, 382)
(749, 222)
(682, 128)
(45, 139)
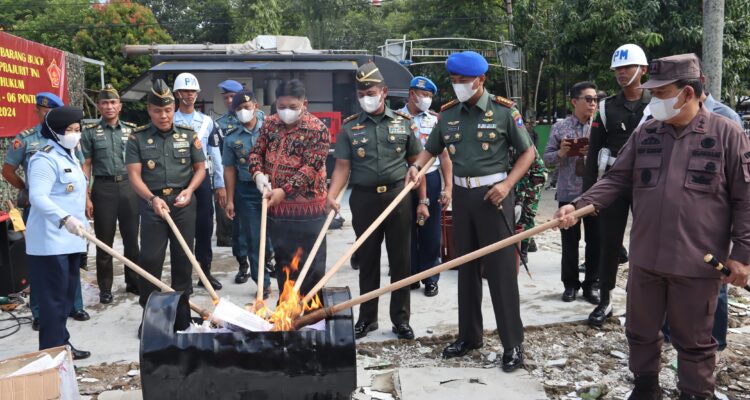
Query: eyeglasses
(588, 99)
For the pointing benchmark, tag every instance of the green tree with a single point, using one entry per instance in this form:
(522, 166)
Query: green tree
(193, 21)
(251, 18)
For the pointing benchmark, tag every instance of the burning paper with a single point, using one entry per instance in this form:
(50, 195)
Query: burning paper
(237, 316)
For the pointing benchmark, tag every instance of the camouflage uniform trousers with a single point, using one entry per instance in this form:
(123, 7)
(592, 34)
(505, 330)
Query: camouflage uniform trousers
(528, 192)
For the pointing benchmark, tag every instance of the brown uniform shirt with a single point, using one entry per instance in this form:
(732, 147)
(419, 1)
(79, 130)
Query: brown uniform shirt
(691, 194)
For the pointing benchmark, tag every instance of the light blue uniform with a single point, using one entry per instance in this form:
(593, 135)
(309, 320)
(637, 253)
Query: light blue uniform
(57, 187)
(195, 121)
(247, 199)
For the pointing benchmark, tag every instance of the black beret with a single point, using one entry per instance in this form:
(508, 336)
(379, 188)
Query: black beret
(242, 96)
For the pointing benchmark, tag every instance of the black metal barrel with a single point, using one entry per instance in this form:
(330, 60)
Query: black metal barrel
(312, 365)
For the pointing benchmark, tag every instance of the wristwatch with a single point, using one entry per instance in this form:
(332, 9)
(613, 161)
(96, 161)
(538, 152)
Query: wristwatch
(425, 202)
(151, 201)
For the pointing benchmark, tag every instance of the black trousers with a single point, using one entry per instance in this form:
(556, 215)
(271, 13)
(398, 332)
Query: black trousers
(290, 235)
(115, 203)
(612, 223)
(223, 227)
(570, 239)
(155, 232)
(366, 206)
(478, 223)
(55, 280)
(204, 223)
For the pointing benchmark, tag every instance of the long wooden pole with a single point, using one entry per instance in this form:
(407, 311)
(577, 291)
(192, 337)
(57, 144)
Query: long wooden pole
(318, 242)
(262, 252)
(360, 240)
(319, 314)
(196, 266)
(140, 271)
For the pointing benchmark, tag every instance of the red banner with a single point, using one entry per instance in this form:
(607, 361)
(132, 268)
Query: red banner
(27, 68)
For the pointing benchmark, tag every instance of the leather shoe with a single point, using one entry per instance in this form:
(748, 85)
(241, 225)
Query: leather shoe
(646, 388)
(362, 328)
(242, 276)
(459, 348)
(403, 331)
(132, 289)
(35, 324)
(532, 245)
(78, 354)
(415, 286)
(213, 281)
(105, 297)
(80, 315)
(569, 295)
(430, 289)
(513, 358)
(591, 296)
(600, 314)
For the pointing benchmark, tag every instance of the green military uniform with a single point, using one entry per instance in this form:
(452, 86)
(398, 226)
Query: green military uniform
(166, 160)
(478, 138)
(528, 192)
(378, 147)
(111, 194)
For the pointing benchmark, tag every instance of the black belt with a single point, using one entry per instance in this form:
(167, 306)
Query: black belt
(111, 178)
(378, 189)
(167, 191)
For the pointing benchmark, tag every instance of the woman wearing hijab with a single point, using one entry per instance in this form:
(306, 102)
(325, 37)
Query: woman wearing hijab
(57, 192)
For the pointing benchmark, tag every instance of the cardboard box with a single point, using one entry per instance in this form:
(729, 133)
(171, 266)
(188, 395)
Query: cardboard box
(49, 384)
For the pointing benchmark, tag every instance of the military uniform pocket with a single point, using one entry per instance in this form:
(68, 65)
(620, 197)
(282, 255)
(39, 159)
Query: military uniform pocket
(702, 175)
(100, 144)
(647, 171)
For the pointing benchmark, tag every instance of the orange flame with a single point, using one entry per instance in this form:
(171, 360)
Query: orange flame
(289, 307)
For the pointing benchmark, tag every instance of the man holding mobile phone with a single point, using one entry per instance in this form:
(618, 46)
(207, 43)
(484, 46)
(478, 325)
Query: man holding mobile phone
(566, 149)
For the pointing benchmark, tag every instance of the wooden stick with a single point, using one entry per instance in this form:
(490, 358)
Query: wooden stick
(140, 271)
(318, 242)
(196, 266)
(319, 314)
(360, 240)
(262, 252)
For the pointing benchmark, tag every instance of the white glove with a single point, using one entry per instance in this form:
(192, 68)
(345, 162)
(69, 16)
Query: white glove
(74, 226)
(262, 183)
(517, 212)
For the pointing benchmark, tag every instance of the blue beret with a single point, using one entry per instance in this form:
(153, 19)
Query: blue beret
(420, 82)
(466, 63)
(49, 100)
(243, 96)
(230, 86)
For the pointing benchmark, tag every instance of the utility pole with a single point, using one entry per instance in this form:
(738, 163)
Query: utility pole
(713, 39)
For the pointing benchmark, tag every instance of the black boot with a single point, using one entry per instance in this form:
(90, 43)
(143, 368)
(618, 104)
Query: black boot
(213, 281)
(646, 388)
(602, 311)
(242, 275)
(532, 245)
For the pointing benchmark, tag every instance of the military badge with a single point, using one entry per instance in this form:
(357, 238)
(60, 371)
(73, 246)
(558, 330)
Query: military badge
(492, 135)
(398, 149)
(69, 188)
(452, 149)
(176, 135)
(485, 146)
(150, 141)
(358, 127)
(361, 152)
(197, 143)
(489, 113)
(242, 161)
(16, 144)
(151, 164)
(480, 135)
(364, 140)
(184, 135)
(517, 118)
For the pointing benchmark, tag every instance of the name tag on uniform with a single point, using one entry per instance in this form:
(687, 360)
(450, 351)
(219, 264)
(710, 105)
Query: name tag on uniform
(396, 129)
(487, 126)
(181, 145)
(68, 170)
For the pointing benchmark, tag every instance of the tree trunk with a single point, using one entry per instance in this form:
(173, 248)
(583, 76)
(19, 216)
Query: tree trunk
(713, 39)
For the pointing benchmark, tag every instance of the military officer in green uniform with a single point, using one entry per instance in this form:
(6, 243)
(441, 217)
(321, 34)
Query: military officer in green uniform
(165, 165)
(374, 146)
(110, 200)
(478, 129)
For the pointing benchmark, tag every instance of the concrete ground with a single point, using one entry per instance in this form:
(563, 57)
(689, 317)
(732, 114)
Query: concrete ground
(111, 333)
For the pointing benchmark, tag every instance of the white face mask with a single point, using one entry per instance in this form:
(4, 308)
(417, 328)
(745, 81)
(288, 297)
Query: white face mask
(663, 109)
(245, 115)
(424, 103)
(69, 140)
(289, 116)
(370, 104)
(464, 91)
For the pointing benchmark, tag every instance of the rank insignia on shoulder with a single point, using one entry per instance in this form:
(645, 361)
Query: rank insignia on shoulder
(349, 118)
(140, 128)
(503, 101)
(130, 124)
(47, 148)
(185, 127)
(89, 126)
(27, 132)
(448, 105)
(403, 114)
